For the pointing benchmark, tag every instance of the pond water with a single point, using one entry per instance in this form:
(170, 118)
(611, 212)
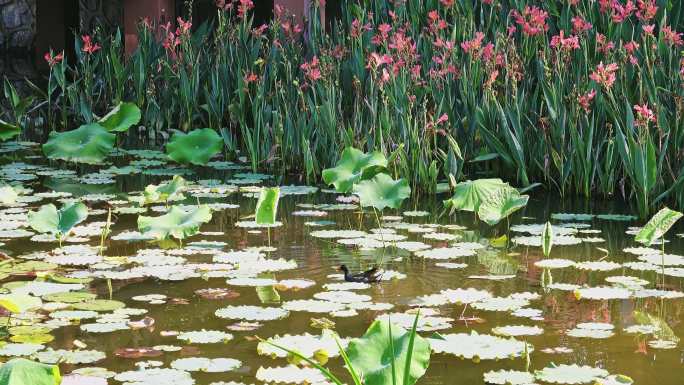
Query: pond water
(478, 258)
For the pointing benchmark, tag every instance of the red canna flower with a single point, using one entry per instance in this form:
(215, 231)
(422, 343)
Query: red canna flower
(244, 7)
(644, 115)
(184, 27)
(473, 46)
(568, 44)
(579, 25)
(311, 70)
(585, 100)
(88, 46)
(53, 60)
(250, 77)
(622, 12)
(647, 10)
(603, 45)
(672, 37)
(605, 75)
(532, 20)
(648, 29)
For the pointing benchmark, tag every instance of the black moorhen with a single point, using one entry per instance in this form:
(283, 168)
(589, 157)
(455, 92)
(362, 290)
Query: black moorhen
(370, 276)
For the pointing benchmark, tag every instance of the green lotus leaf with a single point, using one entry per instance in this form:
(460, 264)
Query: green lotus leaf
(491, 199)
(267, 206)
(177, 223)
(195, 147)
(8, 131)
(383, 346)
(121, 118)
(37, 338)
(87, 144)
(20, 371)
(382, 191)
(354, 166)
(58, 222)
(170, 191)
(19, 303)
(659, 224)
(8, 195)
(100, 305)
(500, 204)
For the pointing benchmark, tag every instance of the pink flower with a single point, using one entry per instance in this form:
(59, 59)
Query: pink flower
(244, 7)
(603, 45)
(447, 3)
(605, 74)
(622, 12)
(644, 115)
(250, 77)
(311, 69)
(648, 29)
(184, 27)
(473, 46)
(672, 37)
(88, 46)
(568, 44)
(532, 20)
(375, 60)
(585, 100)
(579, 25)
(53, 60)
(647, 10)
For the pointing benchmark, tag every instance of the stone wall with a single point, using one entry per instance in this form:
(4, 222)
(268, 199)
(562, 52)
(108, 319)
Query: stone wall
(17, 23)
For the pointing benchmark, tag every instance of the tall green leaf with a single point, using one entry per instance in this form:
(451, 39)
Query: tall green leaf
(659, 224)
(267, 206)
(547, 239)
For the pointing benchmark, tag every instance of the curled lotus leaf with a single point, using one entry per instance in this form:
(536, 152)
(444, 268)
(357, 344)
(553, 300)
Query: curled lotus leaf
(8, 131)
(195, 147)
(177, 223)
(121, 118)
(21, 371)
(354, 166)
(87, 144)
(491, 199)
(58, 222)
(386, 347)
(657, 226)
(382, 191)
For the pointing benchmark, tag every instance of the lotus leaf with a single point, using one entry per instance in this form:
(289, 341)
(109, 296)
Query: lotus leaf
(659, 224)
(121, 118)
(491, 199)
(570, 374)
(8, 131)
(58, 222)
(195, 147)
(170, 191)
(7, 195)
(267, 206)
(354, 166)
(177, 223)
(20, 371)
(19, 303)
(87, 144)
(385, 348)
(382, 191)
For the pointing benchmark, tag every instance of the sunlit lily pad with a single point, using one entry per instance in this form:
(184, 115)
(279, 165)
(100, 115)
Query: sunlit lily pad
(480, 346)
(209, 365)
(252, 313)
(570, 374)
(205, 337)
(508, 377)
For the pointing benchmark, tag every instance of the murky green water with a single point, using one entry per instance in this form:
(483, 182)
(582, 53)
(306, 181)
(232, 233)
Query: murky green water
(317, 259)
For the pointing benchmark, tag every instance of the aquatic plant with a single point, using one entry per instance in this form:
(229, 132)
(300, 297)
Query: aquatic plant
(382, 191)
(58, 222)
(353, 167)
(121, 118)
(657, 226)
(170, 191)
(385, 354)
(20, 371)
(267, 206)
(90, 143)
(490, 199)
(195, 147)
(176, 223)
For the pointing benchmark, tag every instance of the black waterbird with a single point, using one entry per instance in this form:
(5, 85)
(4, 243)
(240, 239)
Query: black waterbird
(369, 276)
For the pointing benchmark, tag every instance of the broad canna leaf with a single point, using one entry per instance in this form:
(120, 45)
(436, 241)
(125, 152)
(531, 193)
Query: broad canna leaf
(195, 147)
(20, 371)
(267, 206)
(89, 144)
(354, 166)
(381, 355)
(659, 224)
(177, 223)
(382, 191)
(121, 118)
(8, 131)
(58, 222)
